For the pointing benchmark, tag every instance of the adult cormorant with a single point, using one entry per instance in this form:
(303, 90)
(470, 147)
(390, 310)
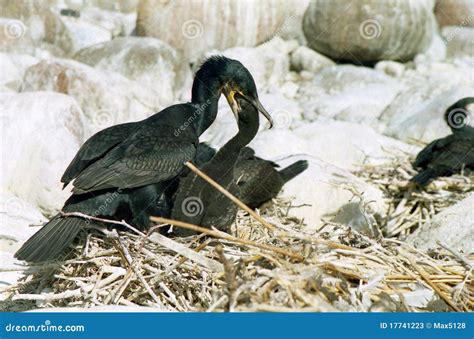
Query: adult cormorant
(449, 155)
(199, 203)
(132, 155)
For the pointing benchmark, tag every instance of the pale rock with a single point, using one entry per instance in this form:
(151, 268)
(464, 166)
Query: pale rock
(349, 93)
(455, 12)
(124, 6)
(460, 41)
(268, 63)
(82, 34)
(197, 26)
(367, 30)
(117, 23)
(342, 144)
(323, 192)
(391, 68)
(149, 61)
(12, 69)
(435, 52)
(453, 227)
(417, 113)
(304, 58)
(106, 98)
(41, 133)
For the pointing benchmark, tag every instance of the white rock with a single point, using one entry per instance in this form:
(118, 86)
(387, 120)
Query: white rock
(453, 227)
(342, 144)
(82, 34)
(435, 52)
(198, 26)
(460, 41)
(17, 216)
(392, 68)
(12, 68)
(367, 30)
(349, 93)
(106, 98)
(323, 192)
(149, 61)
(117, 23)
(417, 113)
(304, 58)
(41, 133)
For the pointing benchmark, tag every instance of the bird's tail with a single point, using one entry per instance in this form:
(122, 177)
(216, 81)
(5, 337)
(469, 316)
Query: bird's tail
(293, 170)
(51, 240)
(424, 177)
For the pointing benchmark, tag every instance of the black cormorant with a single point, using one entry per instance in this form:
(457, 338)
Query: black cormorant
(449, 155)
(132, 155)
(259, 180)
(199, 203)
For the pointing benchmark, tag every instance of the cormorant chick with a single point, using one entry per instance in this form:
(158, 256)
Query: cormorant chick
(133, 155)
(199, 203)
(449, 155)
(259, 180)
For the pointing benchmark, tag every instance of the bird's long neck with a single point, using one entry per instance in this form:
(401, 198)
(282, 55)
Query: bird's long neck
(228, 154)
(205, 96)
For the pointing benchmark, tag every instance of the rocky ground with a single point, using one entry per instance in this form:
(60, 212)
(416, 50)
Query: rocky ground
(69, 69)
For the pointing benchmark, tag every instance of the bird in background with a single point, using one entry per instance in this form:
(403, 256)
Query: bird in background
(452, 154)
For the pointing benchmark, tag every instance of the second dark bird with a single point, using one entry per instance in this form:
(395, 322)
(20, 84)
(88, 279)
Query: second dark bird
(452, 154)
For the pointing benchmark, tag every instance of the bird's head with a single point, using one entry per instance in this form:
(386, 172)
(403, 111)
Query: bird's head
(460, 115)
(236, 82)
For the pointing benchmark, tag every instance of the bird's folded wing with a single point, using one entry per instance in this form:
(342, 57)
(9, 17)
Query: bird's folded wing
(139, 161)
(95, 147)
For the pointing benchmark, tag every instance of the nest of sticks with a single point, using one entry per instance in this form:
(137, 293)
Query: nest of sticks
(407, 207)
(271, 262)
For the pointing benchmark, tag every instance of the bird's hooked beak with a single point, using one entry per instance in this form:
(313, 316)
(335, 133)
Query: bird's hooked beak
(235, 106)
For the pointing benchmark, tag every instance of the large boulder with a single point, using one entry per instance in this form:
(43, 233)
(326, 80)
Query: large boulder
(349, 93)
(41, 132)
(306, 59)
(150, 62)
(369, 30)
(198, 26)
(106, 98)
(453, 227)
